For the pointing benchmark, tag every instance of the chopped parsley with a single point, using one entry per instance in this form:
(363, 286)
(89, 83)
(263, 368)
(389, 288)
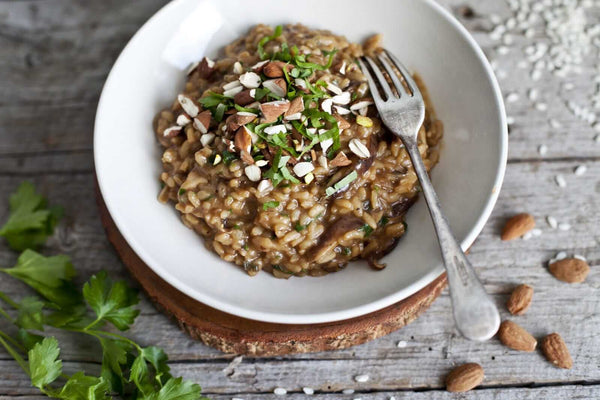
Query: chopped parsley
(346, 251)
(270, 204)
(366, 228)
(383, 221)
(342, 183)
(299, 227)
(181, 191)
(261, 44)
(282, 269)
(228, 157)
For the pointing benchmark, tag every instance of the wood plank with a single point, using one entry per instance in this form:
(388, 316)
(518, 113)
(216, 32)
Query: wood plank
(547, 393)
(431, 341)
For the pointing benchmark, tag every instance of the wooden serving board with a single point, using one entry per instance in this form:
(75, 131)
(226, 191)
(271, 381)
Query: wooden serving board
(232, 334)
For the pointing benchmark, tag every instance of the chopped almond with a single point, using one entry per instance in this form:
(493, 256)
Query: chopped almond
(238, 119)
(274, 69)
(202, 121)
(342, 123)
(340, 160)
(296, 106)
(243, 140)
(277, 86)
(206, 68)
(246, 157)
(243, 98)
(274, 109)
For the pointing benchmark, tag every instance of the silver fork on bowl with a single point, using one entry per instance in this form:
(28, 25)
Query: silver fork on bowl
(403, 112)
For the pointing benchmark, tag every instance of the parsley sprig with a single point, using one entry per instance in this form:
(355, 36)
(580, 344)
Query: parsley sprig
(128, 370)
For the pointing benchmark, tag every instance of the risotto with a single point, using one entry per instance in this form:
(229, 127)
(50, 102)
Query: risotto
(275, 155)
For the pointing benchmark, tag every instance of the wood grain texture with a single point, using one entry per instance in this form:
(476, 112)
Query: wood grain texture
(54, 57)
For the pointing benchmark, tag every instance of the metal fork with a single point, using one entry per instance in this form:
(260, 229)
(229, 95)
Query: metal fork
(403, 112)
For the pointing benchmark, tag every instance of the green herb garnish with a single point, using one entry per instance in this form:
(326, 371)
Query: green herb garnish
(282, 269)
(366, 228)
(383, 221)
(346, 251)
(299, 227)
(127, 370)
(345, 181)
(181, 191)
(228, 157)
(30, 221)
(261, 44)
(270, 204)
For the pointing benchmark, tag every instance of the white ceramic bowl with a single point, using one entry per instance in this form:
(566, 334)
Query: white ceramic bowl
(149, 73)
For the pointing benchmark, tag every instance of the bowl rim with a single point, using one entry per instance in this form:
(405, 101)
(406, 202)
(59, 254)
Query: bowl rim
(274, 317)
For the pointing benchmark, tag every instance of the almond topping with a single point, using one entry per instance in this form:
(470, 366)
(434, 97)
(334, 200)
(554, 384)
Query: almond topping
(233, 91)
(277, 86)
(258, 67)
(275, 129)
(326, 105)
(303, 168)
(188, 105)
(202, 121)
(238, 119)
(251, 80)
(296, 106)
(341, 110)
(272, 110)
(334, 89)
(207, 139)
(231, 85)
(340, 160)
(359, 105)
(343, 98)
(342, 123)
(244, 97)
(243, 139)
(359, 149)
(274, 69)
(293, 117)
(172, 131)
(246, 157)
(206, 68)
(183, 119)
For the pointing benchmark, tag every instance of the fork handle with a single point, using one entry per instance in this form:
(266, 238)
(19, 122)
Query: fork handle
(475, 314)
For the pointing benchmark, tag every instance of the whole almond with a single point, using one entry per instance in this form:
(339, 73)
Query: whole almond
(520, 299)
(555, 350)
(514, 336)
(571, 270)
(464, 377)
(517, 226)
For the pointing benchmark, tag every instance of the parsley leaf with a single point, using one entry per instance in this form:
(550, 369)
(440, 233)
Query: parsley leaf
(30, 221)
(111, 302)
(30, 314)
(49, 276)
(44, 368)
(177, 389)
(82, 387)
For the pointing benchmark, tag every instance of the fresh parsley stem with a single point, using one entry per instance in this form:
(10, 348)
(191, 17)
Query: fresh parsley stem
(22, 363)
(8, 300)
(13, 341)
(94, 322)
(5, 315)
(98, 335)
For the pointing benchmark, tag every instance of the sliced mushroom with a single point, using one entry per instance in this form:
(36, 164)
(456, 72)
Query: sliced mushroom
(332, 236)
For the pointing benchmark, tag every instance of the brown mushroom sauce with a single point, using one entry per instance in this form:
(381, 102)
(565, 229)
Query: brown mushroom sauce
(293, 229)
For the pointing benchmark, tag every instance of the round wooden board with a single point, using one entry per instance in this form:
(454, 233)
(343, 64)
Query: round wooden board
(232, 334)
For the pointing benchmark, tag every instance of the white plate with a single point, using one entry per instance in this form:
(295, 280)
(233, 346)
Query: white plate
(149, 73)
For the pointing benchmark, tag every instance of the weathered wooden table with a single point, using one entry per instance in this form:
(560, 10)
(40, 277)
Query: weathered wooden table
(54, 58)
